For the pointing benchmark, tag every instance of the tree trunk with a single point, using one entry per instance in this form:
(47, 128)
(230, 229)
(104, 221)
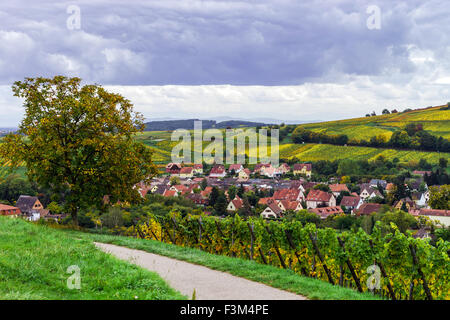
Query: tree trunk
(74, 214)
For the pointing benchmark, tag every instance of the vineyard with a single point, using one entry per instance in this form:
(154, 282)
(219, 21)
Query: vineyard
(395, 266)
(162, 146)
(5, 169)
(434, 120)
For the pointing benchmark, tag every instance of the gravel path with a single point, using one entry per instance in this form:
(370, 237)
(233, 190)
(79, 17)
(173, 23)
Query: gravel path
(208, 284)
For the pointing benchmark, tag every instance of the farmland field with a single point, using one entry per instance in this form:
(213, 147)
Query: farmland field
(434, 120)
(311, 151)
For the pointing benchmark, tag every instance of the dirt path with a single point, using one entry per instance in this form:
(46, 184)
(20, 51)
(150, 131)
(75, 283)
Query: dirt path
(208, 284)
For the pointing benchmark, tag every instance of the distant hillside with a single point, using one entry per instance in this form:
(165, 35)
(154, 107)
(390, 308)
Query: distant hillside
(436, 120)
(170, 125)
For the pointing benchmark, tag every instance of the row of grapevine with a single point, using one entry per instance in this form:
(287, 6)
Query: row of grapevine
(396, 265)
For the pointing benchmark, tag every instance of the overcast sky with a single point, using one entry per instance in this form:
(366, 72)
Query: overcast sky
(281, 59)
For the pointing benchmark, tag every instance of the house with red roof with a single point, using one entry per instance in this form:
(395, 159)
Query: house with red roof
(368, 209)
(261, 168)
(186, 172)
(272, 211)
(10, 211)
(303, 169)
(289, 194)
(266, 201)
(244, 175)
(235, 204)
(197, 198)
(173, 168)
(336, 189)
(179, 188)
(198, 168)
(350, 203)
(284, 168)
(286, 205)
(217, 171)
(325, 212)
(170, 193)
(236, 168)
(367, 192)
(440, 216)
(319, 198)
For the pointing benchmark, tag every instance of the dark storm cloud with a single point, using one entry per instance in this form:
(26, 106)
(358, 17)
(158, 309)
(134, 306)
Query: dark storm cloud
(271, 42)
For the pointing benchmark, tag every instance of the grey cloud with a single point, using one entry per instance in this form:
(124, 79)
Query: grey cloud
(270, 42)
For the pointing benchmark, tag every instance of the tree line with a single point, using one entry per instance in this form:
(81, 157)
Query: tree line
(412, 136)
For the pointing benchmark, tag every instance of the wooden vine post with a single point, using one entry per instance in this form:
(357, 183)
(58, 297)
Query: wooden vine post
(151, 231)
(200, 225)
(221, 234)
(350, 266)
(419, 270)
(261, 253)
(291, 244)
(280, 257)
(384, 274)
(167, 232)
(322, 260)
(199, 221)
(250, 228)
(175, 227)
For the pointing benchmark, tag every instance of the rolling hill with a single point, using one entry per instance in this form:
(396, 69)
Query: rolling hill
(434, 119)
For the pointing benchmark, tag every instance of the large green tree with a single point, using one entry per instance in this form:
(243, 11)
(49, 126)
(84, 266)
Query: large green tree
(78, 139)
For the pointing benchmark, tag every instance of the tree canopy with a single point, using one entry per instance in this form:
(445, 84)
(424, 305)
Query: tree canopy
(79, 140)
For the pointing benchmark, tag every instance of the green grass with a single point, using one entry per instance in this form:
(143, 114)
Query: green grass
(272, 276)
(34, 261)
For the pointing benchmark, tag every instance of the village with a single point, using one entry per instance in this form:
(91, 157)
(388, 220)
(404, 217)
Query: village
(278, 195)
(275, 191)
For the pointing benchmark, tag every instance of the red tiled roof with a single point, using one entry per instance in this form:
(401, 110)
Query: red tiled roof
(300, 166)
(169, 193)
(238, 203)
(338, 187)
(217, 169)
(318, 195)
(326, 211)
(265, 201)
(6, 210)
(434, 212)
(286, 194)
(173, 167)
(290, 205)
(368, 208)
(308, 185)
(275, 208)
(186, 170)
(235, 167)
(349, 201)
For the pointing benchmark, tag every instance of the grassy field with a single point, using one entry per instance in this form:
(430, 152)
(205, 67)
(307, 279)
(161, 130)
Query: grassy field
(34, 261)
(272, 276)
